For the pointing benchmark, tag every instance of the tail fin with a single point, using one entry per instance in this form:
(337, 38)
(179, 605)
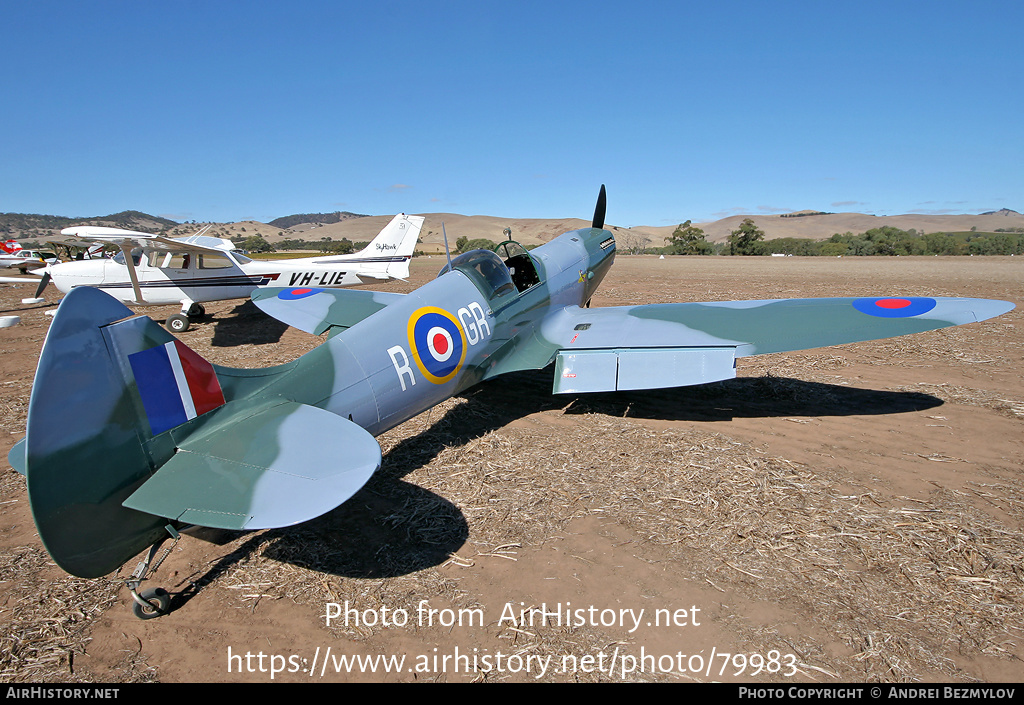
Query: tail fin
(392, 249)
(88, 444)
(126, 435)
(11, 247)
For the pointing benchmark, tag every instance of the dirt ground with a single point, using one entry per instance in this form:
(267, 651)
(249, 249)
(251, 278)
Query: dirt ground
(844, 514)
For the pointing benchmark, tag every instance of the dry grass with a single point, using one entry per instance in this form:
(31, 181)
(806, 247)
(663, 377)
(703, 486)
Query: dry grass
(47, 616)
(897, 580)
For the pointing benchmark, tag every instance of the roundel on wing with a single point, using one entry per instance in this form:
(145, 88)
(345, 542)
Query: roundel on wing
(894, 307)
(293, 294)
(437, 342)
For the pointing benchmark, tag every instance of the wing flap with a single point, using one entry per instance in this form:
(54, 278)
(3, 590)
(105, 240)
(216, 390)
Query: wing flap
(277, 466)
(316, 310)
(652, 368)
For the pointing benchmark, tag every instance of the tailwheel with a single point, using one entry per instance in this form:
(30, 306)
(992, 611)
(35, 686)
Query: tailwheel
(154, 602)
(151, 603)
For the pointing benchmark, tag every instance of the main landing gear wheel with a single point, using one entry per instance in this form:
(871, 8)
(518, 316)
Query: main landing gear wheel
(177, 323)
(151, 603)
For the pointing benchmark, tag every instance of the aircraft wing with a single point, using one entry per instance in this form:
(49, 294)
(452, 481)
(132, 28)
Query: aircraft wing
(317, 310)
(127, 239)
(669, 345)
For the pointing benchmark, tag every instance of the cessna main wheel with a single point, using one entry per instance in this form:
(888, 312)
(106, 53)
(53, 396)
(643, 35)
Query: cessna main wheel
(177, 323)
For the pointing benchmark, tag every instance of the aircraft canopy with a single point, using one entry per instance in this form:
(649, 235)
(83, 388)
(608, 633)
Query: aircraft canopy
(486, 270)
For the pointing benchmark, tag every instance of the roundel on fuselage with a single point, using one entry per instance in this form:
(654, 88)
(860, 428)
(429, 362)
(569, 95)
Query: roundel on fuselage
(438, 343)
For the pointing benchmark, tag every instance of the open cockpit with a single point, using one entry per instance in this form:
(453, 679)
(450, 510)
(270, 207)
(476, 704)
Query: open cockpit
(508, 270)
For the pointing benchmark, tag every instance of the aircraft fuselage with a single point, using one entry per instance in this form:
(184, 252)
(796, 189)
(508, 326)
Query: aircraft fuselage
(171, 279)
(464, 327)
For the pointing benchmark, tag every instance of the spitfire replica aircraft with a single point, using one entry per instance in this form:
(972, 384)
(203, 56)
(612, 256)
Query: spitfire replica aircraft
(155, 270)
(132, 436)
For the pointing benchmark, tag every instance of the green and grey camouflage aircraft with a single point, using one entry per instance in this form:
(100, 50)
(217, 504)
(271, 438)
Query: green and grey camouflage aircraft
(132, 436)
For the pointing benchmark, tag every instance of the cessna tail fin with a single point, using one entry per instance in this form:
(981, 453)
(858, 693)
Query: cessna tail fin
(388, 254)
(395, 244)
(130, 431)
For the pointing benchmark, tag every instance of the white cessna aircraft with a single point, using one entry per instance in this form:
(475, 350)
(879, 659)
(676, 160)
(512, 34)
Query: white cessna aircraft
(155, 270)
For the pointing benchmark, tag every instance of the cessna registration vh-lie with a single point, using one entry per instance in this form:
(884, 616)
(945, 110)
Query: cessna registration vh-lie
(155, 270)
(132, 436)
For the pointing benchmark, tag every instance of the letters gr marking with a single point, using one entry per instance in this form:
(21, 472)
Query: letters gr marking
(438, 343)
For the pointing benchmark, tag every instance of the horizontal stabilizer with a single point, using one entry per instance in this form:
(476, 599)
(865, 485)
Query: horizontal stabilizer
(272, 467)
(17, 458)
(316, 310)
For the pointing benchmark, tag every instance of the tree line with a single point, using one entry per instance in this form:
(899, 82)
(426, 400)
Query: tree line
(748, 239)
(258, 244)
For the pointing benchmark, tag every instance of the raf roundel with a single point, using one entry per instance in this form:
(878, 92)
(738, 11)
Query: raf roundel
(294, 294)
(894, 307)
(438, 343)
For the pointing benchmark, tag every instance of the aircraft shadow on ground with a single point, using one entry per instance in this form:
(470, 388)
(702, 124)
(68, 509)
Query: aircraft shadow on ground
(753, 397)
(498, 402)
(16, 309)
(387, 529)
(392, 527)
(246, 325)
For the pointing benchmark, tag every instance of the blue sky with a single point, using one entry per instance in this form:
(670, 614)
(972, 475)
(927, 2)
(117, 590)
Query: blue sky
(223, 110)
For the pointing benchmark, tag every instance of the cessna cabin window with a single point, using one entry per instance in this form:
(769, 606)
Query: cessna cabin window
(208, 261)
(171, 260)
(136, 256)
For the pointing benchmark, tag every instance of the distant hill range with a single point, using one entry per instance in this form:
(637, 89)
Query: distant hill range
(27, 225)
(815, 225)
